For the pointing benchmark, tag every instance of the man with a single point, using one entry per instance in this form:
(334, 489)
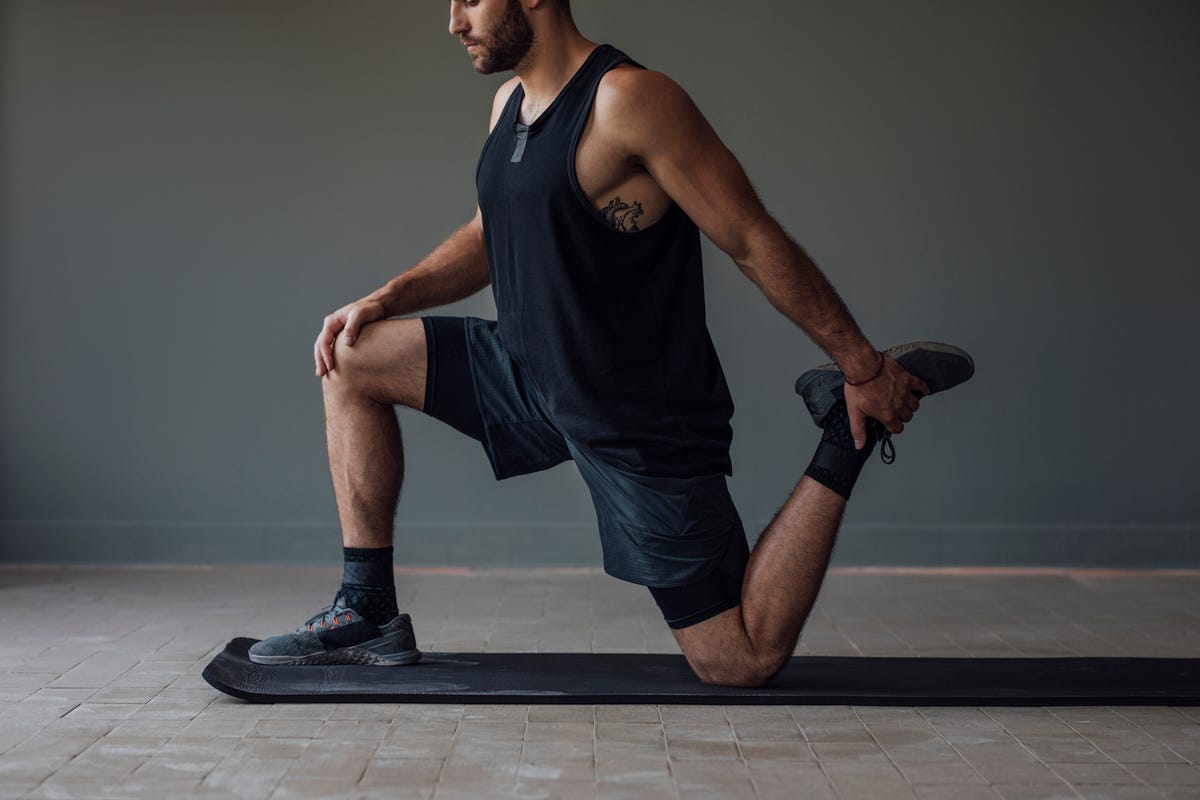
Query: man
(594, 182)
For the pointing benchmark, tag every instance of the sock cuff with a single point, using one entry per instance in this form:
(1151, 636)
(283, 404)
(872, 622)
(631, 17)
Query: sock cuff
(836, 468)
(368, 555)
(368, 566)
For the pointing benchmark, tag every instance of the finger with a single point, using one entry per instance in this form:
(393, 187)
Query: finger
(924, 387)
(319, 353)
(896, 426)
(327, 337)
(350, 332)
(858, 428)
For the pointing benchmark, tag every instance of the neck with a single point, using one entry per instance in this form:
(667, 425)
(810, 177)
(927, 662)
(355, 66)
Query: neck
(558, 52)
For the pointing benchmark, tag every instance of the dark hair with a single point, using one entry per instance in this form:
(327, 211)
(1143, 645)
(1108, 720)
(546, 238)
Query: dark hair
(565, 5)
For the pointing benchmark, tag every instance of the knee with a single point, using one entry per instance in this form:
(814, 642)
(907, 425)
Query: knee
(347, 361)
(750, 670)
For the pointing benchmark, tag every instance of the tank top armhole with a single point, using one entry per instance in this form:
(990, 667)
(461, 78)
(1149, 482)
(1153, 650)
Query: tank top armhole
(573, 178)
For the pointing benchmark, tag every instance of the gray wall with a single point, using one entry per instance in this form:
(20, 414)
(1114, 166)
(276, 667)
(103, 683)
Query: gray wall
(189, 187)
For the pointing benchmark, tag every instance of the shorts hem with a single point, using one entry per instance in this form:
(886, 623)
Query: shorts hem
(700, 616)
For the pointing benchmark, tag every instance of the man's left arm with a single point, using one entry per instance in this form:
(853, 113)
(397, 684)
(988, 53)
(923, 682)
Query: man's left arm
(657, 123)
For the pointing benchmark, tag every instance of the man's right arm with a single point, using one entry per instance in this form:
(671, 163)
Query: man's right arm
(457, 268)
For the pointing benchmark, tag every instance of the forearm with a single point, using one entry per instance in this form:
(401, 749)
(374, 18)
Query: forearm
(801, 292)
(457, 268)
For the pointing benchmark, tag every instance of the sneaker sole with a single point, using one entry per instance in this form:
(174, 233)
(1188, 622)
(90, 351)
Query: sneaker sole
(344, 655)
(942, 366)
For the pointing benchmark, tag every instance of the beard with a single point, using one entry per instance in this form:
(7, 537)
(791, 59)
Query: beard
(507, 43)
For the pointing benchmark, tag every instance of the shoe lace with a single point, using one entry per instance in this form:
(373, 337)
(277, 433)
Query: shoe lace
(887, 450)
(327, 618)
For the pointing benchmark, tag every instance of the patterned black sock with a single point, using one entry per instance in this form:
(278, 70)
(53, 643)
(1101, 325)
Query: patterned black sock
(836, 464)
(368, 583)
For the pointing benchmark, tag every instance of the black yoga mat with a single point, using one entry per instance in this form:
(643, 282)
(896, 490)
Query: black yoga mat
(592, 678)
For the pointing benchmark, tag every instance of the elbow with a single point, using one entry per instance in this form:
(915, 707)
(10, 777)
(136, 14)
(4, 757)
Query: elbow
(747, 270)
(755, 244)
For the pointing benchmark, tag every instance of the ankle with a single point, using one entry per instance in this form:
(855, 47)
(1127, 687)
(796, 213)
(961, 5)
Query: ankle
(836, 464)
(369, 583)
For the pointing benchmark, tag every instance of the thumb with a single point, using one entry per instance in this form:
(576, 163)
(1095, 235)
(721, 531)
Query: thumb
(858, 428)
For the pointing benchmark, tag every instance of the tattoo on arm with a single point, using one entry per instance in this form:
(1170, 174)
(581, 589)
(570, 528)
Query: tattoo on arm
(622, 216)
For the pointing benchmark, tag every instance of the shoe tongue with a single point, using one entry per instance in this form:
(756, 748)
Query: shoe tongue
(340, 608)
(337, 607)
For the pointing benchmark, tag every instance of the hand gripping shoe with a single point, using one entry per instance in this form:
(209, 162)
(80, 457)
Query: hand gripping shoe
(340, 635)
(942, 366)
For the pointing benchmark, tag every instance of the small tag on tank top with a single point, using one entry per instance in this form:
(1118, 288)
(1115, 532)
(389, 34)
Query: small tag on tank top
(522, 135)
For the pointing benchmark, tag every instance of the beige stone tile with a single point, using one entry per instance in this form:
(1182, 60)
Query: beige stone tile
(295, 728)
(402, 772)
(678, 749)
(247, 777)
(376, 712)
(942, 772)
(1167, 774)
(1028, 772)
(623, 713)
(353, 729)
(560, 731)
(848, 751)
(648, 790)
(498, 712)
(1069, 748)
(768, 751)
(951, 791)
(1095, 773)
(562, 713)
(629, 732)
(271, 747)
(1021, 791)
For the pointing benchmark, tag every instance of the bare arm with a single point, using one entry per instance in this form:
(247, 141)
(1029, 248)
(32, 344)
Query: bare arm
(457, 268)
(659, 126)
(656, 123)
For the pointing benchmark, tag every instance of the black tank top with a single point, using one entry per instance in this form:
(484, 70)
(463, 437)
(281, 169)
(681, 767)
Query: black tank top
(608, 325)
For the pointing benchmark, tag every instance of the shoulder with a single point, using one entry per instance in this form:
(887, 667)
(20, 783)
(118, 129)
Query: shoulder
(634, 103)
(501, 99)
(629, 91)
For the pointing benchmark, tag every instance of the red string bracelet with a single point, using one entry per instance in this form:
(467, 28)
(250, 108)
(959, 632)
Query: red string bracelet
(873, 377)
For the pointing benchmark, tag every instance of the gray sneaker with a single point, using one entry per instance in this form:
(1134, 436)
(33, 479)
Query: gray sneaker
(942, 366)
(340, 635)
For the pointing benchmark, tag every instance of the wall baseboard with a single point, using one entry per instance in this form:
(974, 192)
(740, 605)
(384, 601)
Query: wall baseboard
(577, 544)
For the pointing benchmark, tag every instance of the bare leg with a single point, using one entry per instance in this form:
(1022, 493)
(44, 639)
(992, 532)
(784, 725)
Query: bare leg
(788, 565)
(366, 462)
(747, 644)
(386, 366)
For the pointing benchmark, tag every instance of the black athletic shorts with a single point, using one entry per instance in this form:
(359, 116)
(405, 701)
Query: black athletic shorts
(680, 537)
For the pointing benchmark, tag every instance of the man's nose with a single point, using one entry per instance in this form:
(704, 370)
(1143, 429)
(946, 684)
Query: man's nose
(458, 21)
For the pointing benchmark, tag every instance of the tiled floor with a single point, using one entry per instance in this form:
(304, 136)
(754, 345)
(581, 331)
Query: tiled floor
(101, 694)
